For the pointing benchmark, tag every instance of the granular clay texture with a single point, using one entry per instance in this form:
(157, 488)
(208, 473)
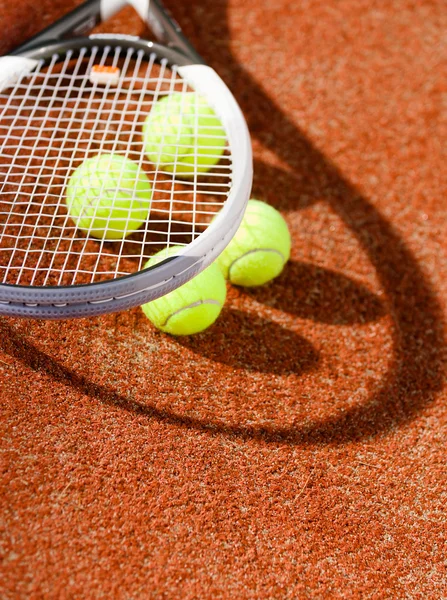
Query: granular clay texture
(296, 449)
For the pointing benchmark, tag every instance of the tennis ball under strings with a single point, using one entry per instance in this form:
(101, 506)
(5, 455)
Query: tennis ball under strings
(192, 307)
(108, 196)
(260, 248)
(183, 135)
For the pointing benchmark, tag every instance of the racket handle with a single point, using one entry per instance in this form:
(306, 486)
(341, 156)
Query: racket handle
(77, 23)
(168, 31)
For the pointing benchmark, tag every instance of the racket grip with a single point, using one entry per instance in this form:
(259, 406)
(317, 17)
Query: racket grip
(76, 23)
(168, 31)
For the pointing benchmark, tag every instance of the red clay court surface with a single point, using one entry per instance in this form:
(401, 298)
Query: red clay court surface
(297, 449)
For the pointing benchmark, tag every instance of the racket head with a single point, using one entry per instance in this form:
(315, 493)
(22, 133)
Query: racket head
(48, 267)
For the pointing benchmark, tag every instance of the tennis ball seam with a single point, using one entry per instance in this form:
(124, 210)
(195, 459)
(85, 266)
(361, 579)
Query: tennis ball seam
(273, 250)
(192, 305)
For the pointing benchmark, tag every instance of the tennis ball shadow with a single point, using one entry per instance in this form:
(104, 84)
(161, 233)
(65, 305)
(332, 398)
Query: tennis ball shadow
(312, 292)
(249, 342)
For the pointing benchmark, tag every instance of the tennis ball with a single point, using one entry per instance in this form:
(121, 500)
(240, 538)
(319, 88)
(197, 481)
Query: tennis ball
(192, 307)
(183, 134)
(108, 196)
(260, 248)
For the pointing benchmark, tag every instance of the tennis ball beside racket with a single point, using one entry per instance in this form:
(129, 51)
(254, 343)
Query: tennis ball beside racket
(183, 135)
(192, 307)
(260, 248)
(108, 196)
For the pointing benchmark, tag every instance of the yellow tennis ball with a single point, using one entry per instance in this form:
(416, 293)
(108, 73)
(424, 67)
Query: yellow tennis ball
(260, 248)
(108, 196)
(183, 135)
(192, 307)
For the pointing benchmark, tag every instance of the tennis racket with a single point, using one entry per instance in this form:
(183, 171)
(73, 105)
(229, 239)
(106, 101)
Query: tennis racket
(66, 99)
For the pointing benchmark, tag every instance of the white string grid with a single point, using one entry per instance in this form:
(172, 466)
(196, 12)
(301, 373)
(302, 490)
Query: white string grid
(54, 119)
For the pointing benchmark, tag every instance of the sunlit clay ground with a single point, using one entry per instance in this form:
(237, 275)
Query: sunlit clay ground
(297, 448)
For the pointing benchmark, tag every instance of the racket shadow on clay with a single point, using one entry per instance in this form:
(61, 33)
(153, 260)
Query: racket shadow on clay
(417, 341)
(28, 353)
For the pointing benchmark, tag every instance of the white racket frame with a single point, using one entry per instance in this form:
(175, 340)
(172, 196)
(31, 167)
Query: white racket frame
(146, 285)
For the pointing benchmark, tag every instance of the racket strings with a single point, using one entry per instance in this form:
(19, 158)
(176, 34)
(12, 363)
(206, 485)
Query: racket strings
(55, 118)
